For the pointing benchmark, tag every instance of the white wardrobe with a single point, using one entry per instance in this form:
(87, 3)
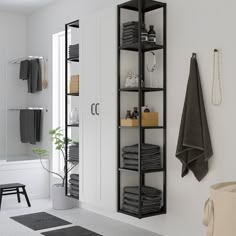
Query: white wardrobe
(98, 110)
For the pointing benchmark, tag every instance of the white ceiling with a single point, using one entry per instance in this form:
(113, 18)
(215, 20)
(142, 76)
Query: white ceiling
(23, 6)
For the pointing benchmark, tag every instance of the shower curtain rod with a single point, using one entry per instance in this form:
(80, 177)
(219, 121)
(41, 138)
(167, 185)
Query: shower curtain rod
(29, 108)
(18, 61)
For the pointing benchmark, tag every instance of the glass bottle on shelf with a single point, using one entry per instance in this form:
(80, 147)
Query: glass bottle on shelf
(74, 116)
(128, 115)
(135, 113)
(152, 35)
(144, 34)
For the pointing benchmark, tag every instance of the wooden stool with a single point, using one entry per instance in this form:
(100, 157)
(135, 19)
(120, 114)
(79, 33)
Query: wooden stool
(10, 189)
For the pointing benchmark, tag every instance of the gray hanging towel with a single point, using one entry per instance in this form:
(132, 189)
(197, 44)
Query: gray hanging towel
(30, 126)
(24, 70)
(35, 76)
(194, 144)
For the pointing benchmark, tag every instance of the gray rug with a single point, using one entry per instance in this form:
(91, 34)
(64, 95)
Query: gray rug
(71, 231)
(39, 221)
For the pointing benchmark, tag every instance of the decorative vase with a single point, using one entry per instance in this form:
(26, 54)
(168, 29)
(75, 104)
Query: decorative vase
(59, 200)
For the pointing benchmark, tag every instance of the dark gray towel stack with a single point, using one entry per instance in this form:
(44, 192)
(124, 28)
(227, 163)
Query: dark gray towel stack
(74, 51)
(130, 33)
(74, 185)
(194, 147)
(30, 126)
(150, 157)
(151, 199)
(74, 152)
(30, 70)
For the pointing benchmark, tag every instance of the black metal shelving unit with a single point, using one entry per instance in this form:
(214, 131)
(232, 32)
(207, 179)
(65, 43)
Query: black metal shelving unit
(141, 7)
(74, 24)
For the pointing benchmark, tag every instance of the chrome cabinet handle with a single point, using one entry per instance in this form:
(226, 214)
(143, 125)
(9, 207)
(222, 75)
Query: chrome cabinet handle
(96, 109)
(92, 109)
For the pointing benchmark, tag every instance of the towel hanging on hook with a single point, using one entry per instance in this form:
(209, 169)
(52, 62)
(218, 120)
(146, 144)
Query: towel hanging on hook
(45, 81)
(216, 80)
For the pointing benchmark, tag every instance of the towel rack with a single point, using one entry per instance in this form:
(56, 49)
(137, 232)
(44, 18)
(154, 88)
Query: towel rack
(28, 108)
(19, 60)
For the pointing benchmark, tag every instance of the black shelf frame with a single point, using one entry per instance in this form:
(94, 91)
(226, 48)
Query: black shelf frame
(73, 24)
(142, 7)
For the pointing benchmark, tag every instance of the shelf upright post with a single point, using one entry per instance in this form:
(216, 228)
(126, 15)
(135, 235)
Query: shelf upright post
(118, 105)
(66, 108)
(164, 110)
(140, 100)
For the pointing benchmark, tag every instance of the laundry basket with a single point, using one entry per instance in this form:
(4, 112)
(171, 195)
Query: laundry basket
(220, 210)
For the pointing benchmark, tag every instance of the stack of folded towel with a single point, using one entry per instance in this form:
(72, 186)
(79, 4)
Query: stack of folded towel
(74, 51)
(150, 200)
(74, 152)
(74, 185)
(150, 157)
(130, 32)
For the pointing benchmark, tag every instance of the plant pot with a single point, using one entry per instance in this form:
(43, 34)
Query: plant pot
(59, 200)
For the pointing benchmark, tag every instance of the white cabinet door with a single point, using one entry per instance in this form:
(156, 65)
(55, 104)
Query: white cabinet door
(89, 93)
(98, 85)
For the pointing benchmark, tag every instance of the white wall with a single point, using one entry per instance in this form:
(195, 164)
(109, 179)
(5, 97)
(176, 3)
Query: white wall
(12, 89)
(198, 26)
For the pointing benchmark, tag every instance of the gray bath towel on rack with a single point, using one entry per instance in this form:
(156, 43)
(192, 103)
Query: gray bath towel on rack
(194, 144)
(30, 126)
(24, 69)
(35, 76)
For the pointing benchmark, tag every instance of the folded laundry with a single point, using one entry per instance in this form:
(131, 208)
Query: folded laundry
(74, 176)
(143, 167)
(134, 156)
(74, 193)
(144, 210)
(74, 182)
(145, 148)
(144, 198)
(145, 204)
(73, 187)
(146, 190)
(151, 199)
(130, 23)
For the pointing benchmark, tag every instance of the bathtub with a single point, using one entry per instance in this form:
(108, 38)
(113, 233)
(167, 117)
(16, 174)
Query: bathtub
(28, 172)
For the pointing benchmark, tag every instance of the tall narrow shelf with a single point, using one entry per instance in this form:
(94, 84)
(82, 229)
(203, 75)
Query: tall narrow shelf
(68, 60)
(141, 7)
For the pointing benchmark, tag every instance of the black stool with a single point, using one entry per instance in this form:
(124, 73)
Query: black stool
(11, 189)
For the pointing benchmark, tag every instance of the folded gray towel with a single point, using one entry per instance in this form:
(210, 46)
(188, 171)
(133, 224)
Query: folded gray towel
(145, 190)
(194, 144)
(144, 204)
(144, 198)
(74, 176)
(143, 162)
(144, 167)
(24, 70)
(135, 210)
(74, 182)
(145, 148)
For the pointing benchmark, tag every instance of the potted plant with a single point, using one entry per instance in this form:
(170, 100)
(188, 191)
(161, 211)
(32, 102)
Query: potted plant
(59, 200)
